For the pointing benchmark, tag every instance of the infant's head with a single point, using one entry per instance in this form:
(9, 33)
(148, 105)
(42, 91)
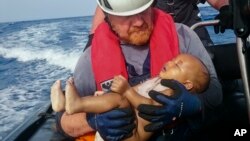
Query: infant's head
(188, 70)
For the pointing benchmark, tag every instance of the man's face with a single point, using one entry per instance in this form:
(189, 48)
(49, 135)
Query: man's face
(136, 29)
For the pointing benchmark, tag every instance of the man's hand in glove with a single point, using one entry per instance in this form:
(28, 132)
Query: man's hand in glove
(226, 20)
(182, 104)
(114, 125)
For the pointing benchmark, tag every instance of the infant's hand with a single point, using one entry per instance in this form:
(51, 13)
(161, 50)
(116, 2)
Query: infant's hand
(119, 84)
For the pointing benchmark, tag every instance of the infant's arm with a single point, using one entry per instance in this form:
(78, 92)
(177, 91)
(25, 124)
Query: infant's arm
(135, 98)
(120, 85)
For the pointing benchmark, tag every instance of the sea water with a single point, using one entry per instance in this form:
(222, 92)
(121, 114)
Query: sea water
(33, 54)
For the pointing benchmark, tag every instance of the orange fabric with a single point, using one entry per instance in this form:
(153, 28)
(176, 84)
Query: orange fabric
(107, 57)
(87, 137)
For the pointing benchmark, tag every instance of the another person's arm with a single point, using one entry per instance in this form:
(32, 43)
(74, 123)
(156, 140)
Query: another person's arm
(225, 15)
(217, 4)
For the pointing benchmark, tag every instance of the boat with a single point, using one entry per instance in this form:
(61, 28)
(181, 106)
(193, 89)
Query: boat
(233, 68)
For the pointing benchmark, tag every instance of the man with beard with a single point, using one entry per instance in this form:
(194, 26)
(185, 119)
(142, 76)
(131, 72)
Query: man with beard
(182, 11)
(135, 41)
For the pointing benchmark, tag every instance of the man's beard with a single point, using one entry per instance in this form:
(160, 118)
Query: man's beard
(138, 35)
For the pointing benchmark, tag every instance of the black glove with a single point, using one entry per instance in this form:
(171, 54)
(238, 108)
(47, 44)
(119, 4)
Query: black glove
(114, 125)
(182, 104)
(226, 20)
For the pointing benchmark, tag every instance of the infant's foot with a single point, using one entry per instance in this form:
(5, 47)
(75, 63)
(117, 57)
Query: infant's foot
(57, 97)
(72, 97)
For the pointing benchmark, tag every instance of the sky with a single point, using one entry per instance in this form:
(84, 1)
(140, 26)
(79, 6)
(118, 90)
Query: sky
(23, 10)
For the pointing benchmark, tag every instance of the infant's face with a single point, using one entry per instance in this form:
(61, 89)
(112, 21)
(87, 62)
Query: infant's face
(172, 69)
(175, 69)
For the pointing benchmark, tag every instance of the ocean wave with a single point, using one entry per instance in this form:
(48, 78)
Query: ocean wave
(57, 57)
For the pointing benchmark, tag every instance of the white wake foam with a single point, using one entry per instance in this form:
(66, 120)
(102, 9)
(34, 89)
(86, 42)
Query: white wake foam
(57, 57)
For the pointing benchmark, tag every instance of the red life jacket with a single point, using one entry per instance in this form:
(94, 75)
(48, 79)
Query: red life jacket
(108, 59)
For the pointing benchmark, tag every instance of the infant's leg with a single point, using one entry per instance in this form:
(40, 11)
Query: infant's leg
(57, 97)
(72, 97)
